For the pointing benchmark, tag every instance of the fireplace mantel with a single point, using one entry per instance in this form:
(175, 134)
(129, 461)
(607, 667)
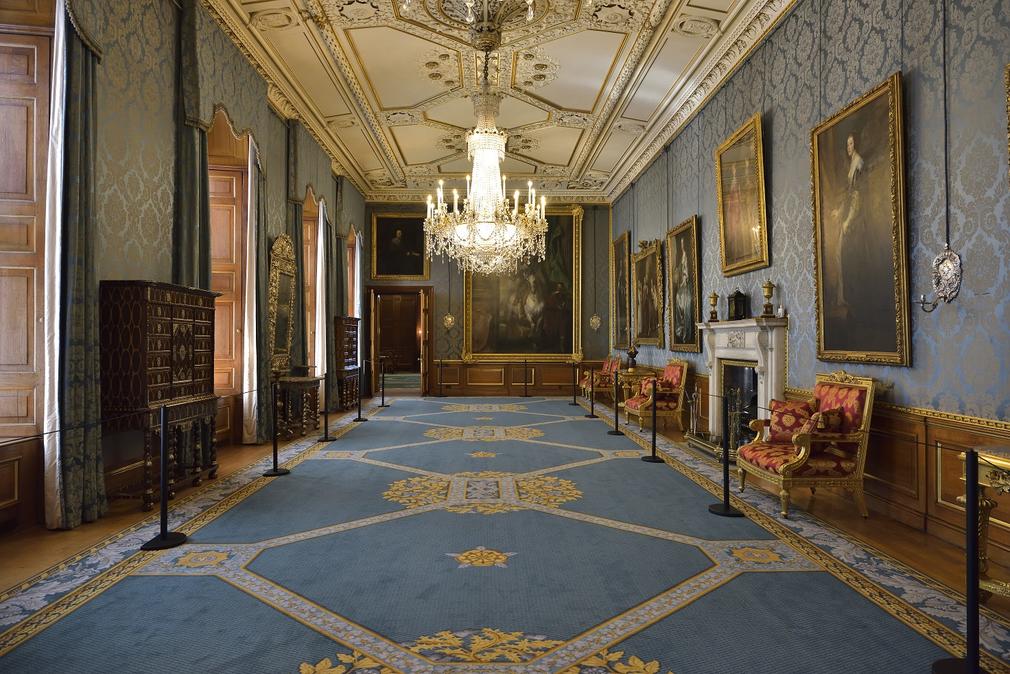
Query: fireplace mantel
(760, 340)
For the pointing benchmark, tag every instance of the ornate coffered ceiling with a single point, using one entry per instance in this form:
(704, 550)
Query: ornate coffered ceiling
(591, 93)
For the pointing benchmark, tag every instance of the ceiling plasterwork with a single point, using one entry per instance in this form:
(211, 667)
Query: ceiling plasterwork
(591, 95)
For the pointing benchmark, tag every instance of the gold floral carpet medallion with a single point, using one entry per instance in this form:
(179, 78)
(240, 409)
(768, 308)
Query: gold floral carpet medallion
(482, 646)
(484, 433)
(481, 556)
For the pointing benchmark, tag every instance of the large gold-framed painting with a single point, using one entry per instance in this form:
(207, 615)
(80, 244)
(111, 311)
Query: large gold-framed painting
(683, 286)
(647, 285)
(536, 313)
(740, 187)
(398, 247)
(859, 230)
(620, 302)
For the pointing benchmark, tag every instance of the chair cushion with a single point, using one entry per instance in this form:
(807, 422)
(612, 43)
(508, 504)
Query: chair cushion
(673, 375)
(771, 456)
(787, 418)
(850, 399)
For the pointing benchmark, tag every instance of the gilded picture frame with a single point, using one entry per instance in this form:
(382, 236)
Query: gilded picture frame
(1006, 82)
(281, 304)
(488, 303)
(397, 244)
(740, 191)
(860, 233)
(683, 286)
(620, 295)
(647, 297)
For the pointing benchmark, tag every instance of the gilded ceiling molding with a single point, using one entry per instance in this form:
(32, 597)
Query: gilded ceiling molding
(234, 29)
(717, 70)
(280, 103)
(324, 23)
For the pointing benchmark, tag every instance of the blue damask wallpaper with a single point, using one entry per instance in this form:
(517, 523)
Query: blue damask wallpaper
(822, 55)
(135, 180)
(136, 126)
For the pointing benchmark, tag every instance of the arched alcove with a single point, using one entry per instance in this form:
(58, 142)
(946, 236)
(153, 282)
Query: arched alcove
(227, 191)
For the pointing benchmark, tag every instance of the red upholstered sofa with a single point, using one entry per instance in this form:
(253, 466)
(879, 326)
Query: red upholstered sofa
(816, 443)
(669, 398)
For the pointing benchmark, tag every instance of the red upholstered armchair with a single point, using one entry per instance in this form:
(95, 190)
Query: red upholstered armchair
(669, 398)
(816, 443)
(604, 377)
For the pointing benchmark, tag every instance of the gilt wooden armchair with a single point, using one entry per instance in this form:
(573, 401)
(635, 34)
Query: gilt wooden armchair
(815, 443)
(668, 398)
(604, 378)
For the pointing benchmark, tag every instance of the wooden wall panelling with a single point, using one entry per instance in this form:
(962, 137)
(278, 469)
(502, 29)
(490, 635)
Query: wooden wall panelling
(24, 129)
(895, 477)
(504, 379)
(22, 15)
(945, 440)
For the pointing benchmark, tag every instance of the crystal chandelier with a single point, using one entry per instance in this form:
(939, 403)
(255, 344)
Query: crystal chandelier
(487, 233)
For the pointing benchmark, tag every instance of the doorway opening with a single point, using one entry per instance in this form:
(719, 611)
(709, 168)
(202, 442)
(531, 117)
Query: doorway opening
(310, 274)
(228, 167)
(400, 326)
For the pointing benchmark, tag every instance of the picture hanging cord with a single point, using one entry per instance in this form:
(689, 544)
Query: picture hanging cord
(946, 134)
(666, 156)
(595, 298)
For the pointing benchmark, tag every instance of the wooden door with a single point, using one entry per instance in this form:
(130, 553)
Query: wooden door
(310, 233)
(227, 246)
(24, 129)
(422, 332)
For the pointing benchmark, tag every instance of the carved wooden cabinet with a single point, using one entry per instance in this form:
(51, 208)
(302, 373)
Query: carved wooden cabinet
(345, 335)
(157, 349)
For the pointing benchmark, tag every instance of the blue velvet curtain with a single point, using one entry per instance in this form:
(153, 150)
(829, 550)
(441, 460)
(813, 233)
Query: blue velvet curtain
(191, 233)
(83, 495)
(191, 229)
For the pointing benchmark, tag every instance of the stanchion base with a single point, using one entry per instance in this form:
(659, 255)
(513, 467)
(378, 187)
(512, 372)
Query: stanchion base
(652, 459)
(276, 472)
(360, 419)
(615, 432)
(590, 416)
(953, 666)
(724, 510)
(573, 404)
(171, 540)
(326, 438)
(382, 405)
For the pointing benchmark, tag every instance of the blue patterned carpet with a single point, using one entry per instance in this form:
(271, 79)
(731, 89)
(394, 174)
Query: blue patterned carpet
(482, 535)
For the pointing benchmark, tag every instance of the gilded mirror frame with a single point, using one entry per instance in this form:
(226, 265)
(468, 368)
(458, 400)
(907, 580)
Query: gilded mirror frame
(576, 212)
(761, 260)
(282, 263)
(648, 248)
(625, 240)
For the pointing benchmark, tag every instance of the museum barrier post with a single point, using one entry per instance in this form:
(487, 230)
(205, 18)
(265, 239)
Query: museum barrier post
(653, 458)
(592, 395)
(724, 509)
(326, 409)
(617, 413)
(165, 538)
